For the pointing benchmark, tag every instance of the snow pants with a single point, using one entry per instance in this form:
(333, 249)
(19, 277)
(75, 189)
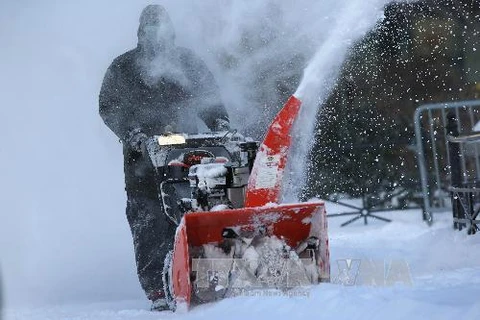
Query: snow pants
(152, 231)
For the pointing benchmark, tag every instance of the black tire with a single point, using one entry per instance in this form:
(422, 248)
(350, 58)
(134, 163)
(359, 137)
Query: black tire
(167, 283)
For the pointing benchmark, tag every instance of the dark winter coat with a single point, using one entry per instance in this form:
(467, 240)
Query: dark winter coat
(140, 92)
(131, 98)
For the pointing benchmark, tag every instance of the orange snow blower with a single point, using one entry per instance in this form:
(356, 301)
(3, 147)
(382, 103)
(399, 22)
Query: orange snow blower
(223, 191)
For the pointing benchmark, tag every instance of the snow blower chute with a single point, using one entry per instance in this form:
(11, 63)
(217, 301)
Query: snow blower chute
(233, 234)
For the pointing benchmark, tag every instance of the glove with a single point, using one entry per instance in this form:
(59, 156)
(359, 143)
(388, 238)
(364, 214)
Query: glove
(136, 140)
(221, 125)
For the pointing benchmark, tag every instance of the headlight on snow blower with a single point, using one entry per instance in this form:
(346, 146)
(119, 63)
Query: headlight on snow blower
(171, 139)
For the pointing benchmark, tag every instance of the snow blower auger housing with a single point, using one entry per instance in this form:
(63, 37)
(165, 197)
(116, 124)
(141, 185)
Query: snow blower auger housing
(223, 192)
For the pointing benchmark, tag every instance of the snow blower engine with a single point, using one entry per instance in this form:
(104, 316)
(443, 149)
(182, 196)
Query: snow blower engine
(202, 172)
(217, 183)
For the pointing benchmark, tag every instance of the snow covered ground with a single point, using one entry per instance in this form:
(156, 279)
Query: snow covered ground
(444, 267)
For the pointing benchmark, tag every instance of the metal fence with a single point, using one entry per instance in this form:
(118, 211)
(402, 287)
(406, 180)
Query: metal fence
(465, 178)
(433, 154)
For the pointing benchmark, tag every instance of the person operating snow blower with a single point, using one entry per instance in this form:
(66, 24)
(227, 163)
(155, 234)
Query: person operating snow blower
(147, 89)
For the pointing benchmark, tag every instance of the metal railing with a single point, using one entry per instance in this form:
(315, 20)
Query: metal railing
(464, 177)
(433, 154)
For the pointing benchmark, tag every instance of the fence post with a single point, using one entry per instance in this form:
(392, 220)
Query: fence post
(455, 169)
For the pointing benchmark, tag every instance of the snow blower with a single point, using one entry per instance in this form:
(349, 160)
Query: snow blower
(223, 192)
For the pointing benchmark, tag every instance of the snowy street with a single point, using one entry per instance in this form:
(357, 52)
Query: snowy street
(444, 266)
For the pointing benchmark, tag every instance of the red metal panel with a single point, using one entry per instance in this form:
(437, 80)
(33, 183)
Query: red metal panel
(290, 221)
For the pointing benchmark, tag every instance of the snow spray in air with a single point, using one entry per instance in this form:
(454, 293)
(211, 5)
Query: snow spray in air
(352, 20)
